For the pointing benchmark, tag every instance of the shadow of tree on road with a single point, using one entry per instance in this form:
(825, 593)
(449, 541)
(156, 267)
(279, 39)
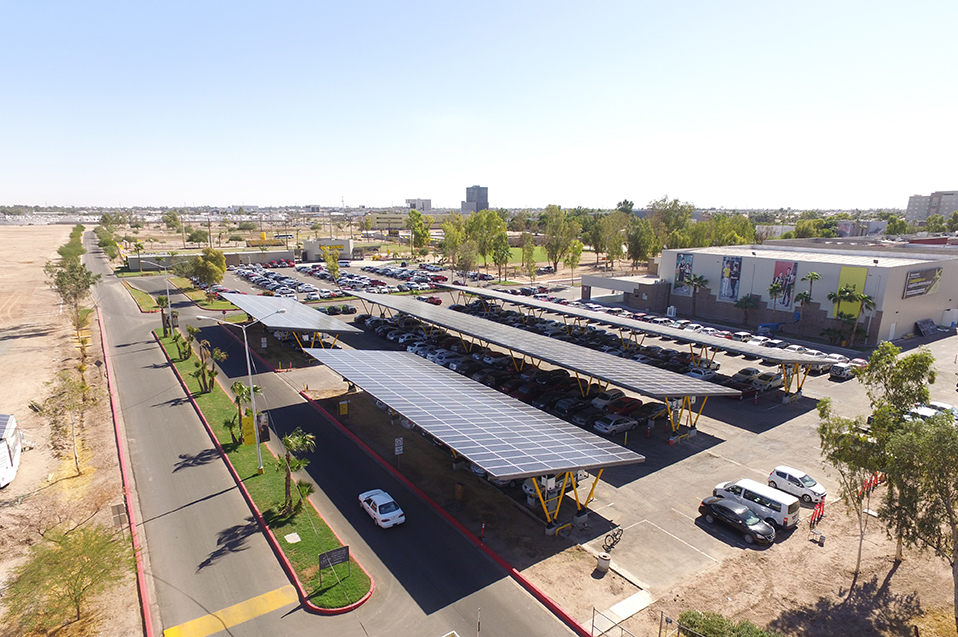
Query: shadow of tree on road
(231, 540)
(196, 460)
(870, 609)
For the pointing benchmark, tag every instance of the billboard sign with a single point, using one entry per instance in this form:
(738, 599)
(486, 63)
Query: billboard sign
(785, 276)
(731, 275)
(921, 282)
(683, 270)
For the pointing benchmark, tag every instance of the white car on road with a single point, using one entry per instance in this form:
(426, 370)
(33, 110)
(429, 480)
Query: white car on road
(381, 508)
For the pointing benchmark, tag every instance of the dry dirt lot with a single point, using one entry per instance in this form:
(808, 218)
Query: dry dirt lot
(36, 341)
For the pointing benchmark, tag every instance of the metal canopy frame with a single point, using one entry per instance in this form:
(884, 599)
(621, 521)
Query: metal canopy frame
(505, 437)
(707, 346)
(649, 381)
(301, 321)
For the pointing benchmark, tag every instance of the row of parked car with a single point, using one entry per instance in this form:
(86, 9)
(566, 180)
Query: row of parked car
(757, 510)
(606, 412)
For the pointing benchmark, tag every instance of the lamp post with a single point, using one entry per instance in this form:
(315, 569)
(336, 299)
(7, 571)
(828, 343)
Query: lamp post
(166, 279)
(249, 376)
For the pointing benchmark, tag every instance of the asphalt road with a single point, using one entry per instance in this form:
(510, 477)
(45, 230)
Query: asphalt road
(205, 551)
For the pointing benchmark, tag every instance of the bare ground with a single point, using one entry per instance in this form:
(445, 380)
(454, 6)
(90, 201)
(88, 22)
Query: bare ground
(36, 341)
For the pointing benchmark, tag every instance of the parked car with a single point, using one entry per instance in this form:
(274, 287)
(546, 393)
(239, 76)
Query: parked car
(623, 406)
(796, 482)
(585, 417)
(701, 374)
(768, 380)
(612, 424)
(841, 371)
(607, 397)
(739, 517)
(746, 375)
(381, 508)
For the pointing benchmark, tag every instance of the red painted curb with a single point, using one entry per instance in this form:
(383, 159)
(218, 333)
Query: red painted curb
(544, 599)
(124, 473)
(274, 544)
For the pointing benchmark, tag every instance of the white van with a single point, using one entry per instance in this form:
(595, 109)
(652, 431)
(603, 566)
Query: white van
(10, 447)
(778, 508)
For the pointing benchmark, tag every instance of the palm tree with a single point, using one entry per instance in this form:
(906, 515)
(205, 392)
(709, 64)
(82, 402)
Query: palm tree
(230, 424)
(296, 442)
(866, 304)
(242, 394)
(811, 277)
(216, 356)
(696, 281)
(846, 294)
(775, 290)
(138, 246)
(746, 303)
(803, 298)
(191, 333)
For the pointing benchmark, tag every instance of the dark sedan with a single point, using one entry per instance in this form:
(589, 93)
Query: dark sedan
(738, 516)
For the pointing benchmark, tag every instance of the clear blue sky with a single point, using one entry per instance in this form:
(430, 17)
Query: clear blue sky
(726, 104)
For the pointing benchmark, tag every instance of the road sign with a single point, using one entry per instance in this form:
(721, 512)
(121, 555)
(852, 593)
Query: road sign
(398, 446)
(334, 557)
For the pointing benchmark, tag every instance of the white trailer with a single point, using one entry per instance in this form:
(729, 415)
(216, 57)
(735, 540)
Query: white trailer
(11, 446)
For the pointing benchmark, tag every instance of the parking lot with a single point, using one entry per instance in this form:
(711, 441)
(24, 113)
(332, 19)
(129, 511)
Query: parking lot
(664, 541)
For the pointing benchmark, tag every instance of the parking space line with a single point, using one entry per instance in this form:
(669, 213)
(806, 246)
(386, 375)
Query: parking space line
(680, 540)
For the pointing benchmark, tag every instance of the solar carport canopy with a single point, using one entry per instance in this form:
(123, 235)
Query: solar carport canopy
(505, 437)
(644, 379)
(297, 317)
(767, 353)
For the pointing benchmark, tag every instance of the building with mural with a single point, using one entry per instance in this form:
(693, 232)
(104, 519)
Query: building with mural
(905, 285)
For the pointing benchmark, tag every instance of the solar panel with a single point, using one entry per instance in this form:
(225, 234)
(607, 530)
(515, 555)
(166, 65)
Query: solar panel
(297, 317)
(644, 379)
(505, 437)
(757, 351)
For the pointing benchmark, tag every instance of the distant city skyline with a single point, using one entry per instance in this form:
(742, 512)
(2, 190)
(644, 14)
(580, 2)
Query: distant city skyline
(744, 106)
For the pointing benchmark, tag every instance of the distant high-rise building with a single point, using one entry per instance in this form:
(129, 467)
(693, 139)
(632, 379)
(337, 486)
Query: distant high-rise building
(477, 198)
(422, 205)
(920, 207)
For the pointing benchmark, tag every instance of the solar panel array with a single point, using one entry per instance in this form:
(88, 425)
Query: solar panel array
(644, 379)
(505, 437)
(768, 353)
(297, 317)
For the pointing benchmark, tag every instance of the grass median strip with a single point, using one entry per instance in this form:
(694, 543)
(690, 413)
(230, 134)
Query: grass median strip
(350, 583)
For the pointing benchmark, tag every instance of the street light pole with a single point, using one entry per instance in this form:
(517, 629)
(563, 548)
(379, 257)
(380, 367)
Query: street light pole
(249, 377)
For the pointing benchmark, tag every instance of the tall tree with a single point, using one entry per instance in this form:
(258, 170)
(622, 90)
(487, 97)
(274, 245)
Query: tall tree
(640, 240)
(865, 304)
(844, 448)
(529, 255)
(72, 282)
(804, 298)
(624, 206)
(241, 394)
(454, 233)
(572, 258)
(418, 226)
(775, 290)
(923, 503)
(845, 294)
(560, 232)
(611, 227)
(501, 253)
(670, 215)
(811, 277)
(896, 225)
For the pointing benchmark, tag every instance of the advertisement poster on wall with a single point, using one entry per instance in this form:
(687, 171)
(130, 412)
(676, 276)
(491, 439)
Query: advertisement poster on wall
(785, 276)
(731, 275)
(855, 278)
(683, 270)
(921, 282)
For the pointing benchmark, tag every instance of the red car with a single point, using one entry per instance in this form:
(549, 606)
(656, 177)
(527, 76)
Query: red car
(432, 300)
(748, 390)
(623, 406)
